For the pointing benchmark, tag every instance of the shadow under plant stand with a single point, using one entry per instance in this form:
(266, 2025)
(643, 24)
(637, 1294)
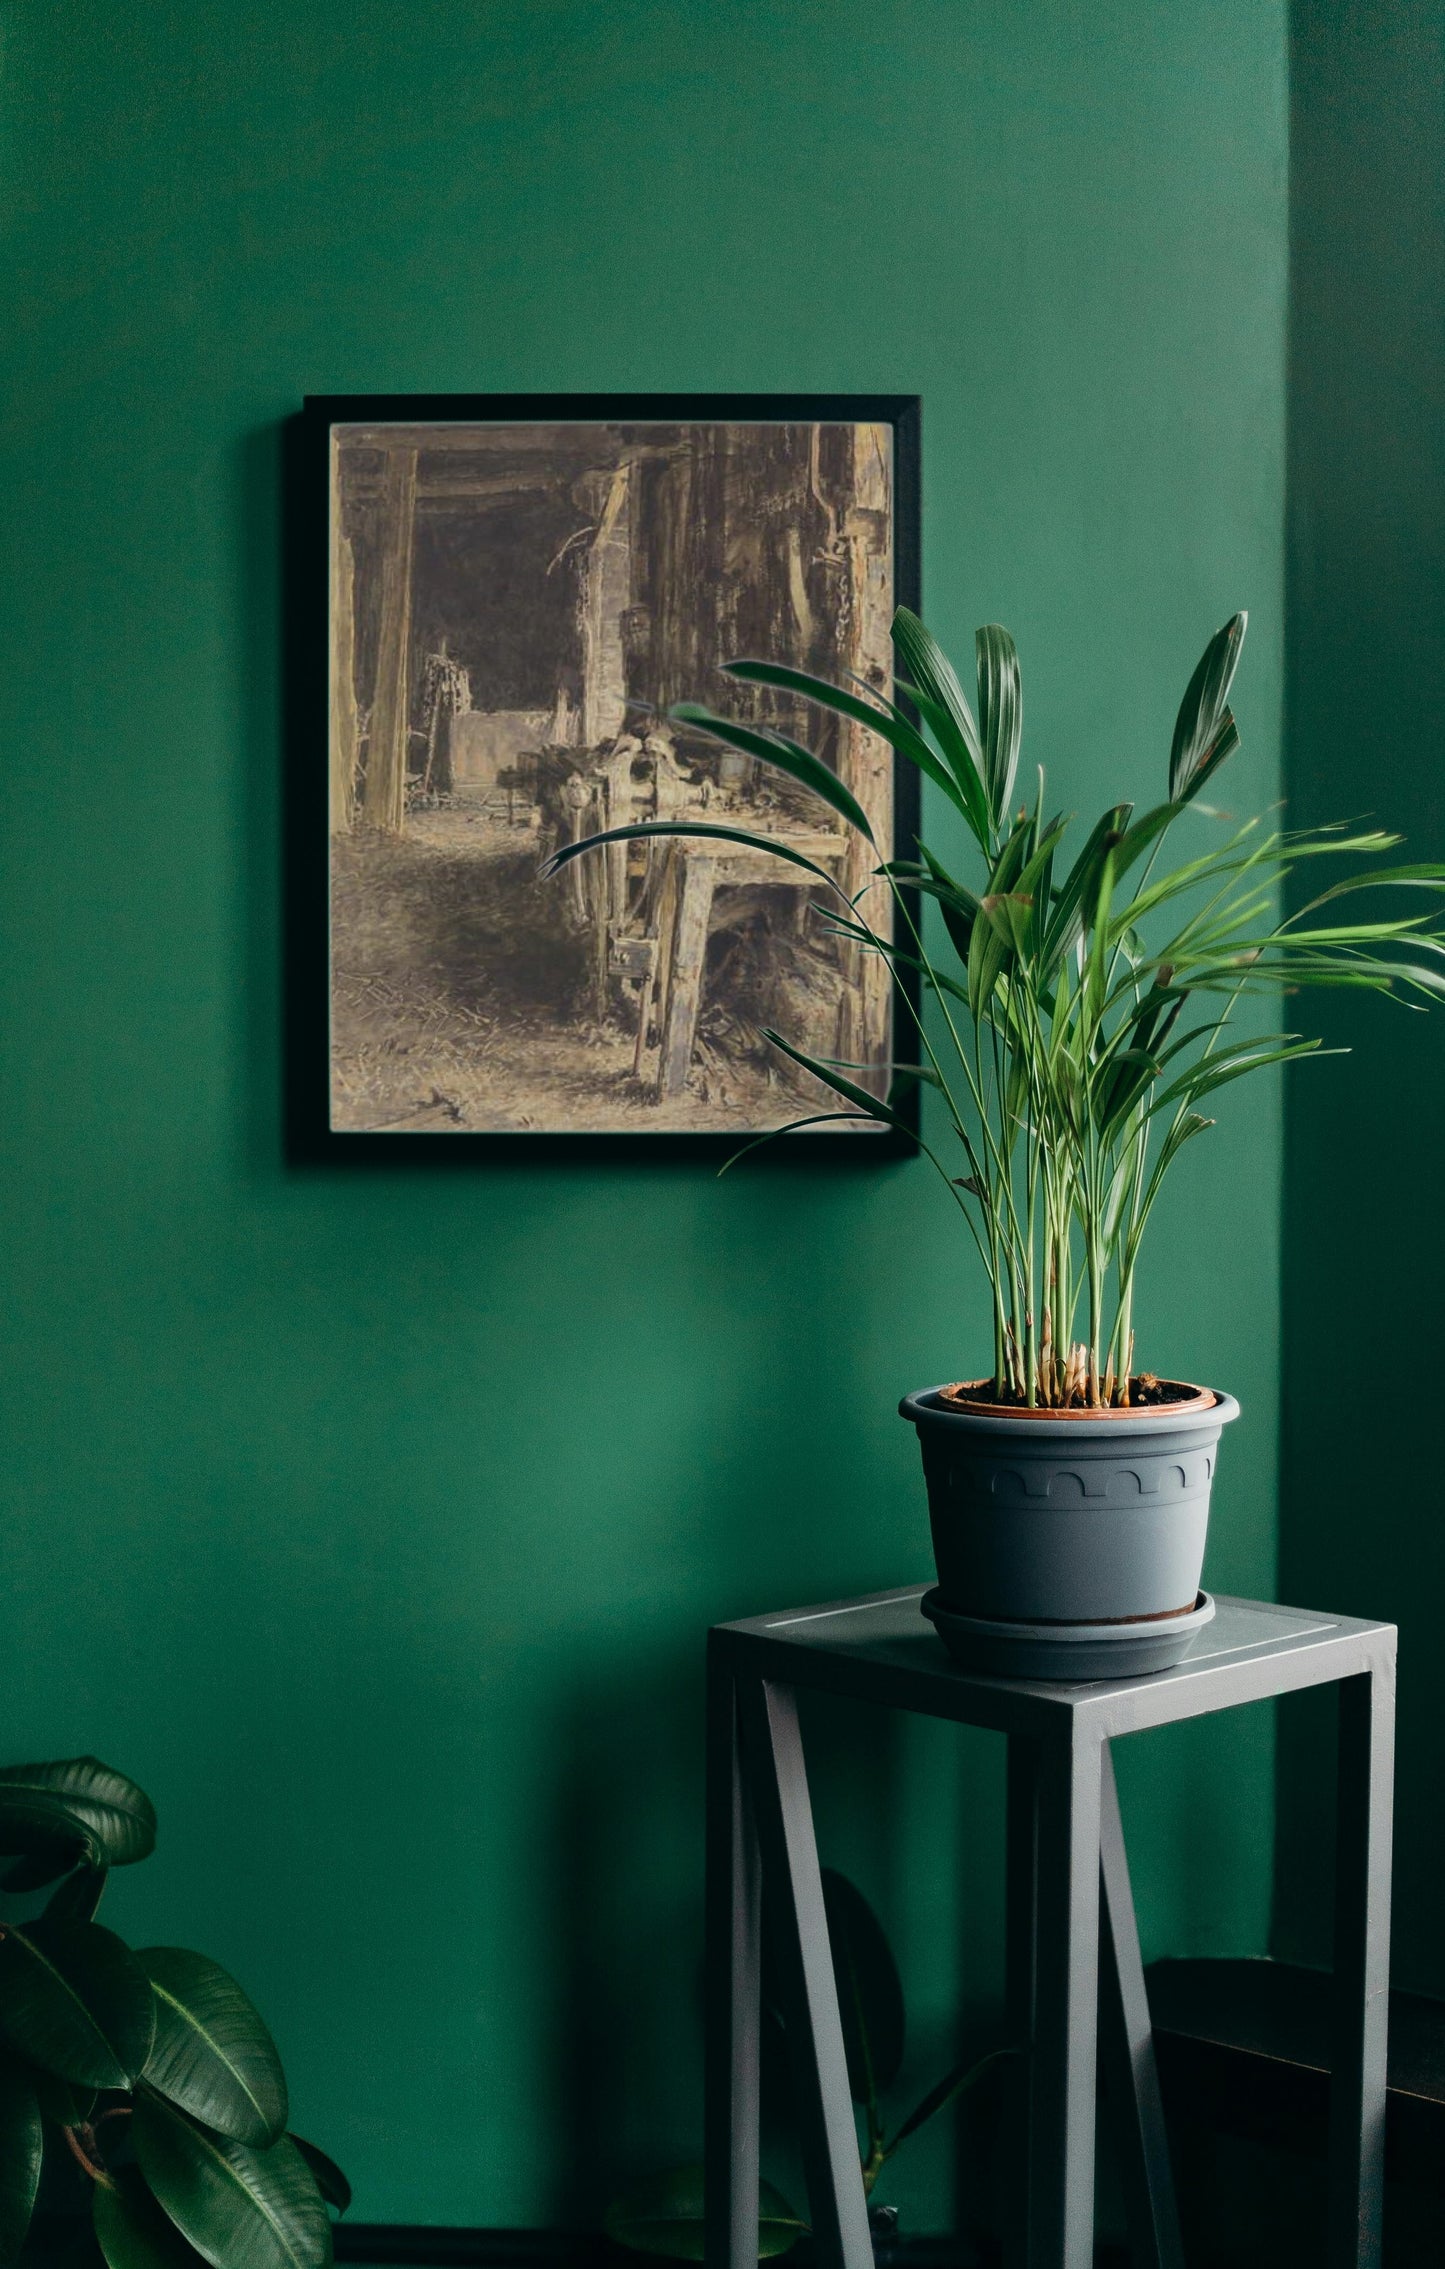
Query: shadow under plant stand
(1068, 1904)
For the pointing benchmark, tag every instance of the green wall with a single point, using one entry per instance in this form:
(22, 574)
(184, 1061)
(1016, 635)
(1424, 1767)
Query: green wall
(373, 1517)
(1364, 1222)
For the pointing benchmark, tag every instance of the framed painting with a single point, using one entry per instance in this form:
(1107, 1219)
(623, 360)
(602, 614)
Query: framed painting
(514, 594)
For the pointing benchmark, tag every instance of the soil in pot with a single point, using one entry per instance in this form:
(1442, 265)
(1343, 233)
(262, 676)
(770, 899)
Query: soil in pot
(1145, 1393)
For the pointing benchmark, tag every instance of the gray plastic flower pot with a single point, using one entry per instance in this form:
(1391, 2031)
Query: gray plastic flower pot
(1068, 1517)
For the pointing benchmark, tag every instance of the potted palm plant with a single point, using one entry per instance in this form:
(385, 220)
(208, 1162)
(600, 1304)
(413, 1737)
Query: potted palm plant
(1075, 1014)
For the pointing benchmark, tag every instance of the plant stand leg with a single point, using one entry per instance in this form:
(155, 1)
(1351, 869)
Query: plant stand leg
(1362, 1968)
(1066, 2003)
(1154, 2239)
(773, 1761)
(1021, 1859)
(734, 1988)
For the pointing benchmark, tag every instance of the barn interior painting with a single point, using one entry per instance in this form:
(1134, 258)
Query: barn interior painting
(515, 608)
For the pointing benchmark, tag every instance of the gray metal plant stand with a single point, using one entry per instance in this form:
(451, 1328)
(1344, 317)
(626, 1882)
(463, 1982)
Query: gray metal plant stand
(1065, 1848)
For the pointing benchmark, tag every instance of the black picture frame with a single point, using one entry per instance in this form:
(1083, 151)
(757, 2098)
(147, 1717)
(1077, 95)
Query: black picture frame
(306, 580)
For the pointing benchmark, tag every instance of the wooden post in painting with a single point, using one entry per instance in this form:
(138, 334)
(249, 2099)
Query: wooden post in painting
(343, 663)
(606, 596)
(687, 960)
(384, 796)
(865, 763)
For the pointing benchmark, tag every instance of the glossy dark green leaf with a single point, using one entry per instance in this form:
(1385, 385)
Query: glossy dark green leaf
(953, 2084)
(22, 2146)
(870, 1994)
(1000, 715)
(786, 755)
(77, 1897)
(62, 2101)
(133, 2229)
(212, 2052)
(329, 2179)
(665, 2216)
(74, 1999)
(1204, 731)
(75, 1804)
(44, 1861)
(237, 2206)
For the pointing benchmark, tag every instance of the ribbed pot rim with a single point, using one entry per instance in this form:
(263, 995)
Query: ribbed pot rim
(923, 1408)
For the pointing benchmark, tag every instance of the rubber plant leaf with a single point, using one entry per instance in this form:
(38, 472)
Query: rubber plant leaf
(75, 1804)
(870, 1994)
(329, 2179)
(212, 2054)
(78, 1895)
(62, 2101)
(788, 756)
(235, 2204)
(1205, 731)
(74, 1999)
(134, 2231)
(665, 2216)
(22, 2145)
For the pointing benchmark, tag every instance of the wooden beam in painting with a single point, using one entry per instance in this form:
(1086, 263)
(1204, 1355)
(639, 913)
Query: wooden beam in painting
(384, 797)
(606, 595)
(592, 444)
(469, 488)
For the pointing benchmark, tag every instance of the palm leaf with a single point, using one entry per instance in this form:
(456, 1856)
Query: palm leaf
(868, 1104)
(644, 829)
(788, 756)
(885, 718)
(1204, 731)
(1000, 715)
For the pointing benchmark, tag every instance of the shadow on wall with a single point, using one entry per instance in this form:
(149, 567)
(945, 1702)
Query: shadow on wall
(1364, 1216)
(625, 1886)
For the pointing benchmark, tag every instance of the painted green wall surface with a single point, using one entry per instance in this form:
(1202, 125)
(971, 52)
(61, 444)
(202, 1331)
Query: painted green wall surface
(1364, 1221)
(373, 1518)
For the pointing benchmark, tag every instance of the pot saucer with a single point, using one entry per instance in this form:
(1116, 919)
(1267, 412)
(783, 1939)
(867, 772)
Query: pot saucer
(1072, 1651)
